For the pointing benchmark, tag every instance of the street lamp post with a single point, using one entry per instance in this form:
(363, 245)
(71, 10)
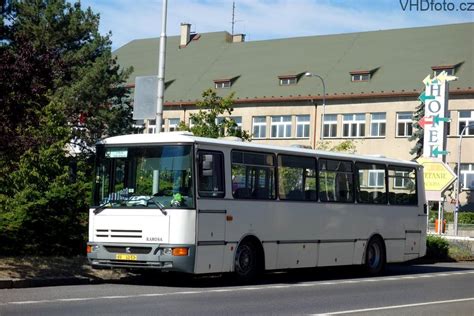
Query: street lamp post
(458, 183)
(310, 74)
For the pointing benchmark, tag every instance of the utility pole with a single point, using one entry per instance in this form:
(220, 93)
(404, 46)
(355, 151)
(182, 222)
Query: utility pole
(161, 69)
(233, 16)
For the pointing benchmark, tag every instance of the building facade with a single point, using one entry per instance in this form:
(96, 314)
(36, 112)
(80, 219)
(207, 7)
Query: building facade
(364, 87)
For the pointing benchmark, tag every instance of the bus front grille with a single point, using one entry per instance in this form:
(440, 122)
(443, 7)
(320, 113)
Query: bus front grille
(118, 233)
(132, 250)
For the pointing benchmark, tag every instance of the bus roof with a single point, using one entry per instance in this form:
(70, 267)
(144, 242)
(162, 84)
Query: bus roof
(187, 137)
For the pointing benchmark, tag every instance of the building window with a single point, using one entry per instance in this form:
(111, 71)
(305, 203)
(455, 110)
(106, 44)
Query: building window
(152, 127)
(302, 126)
(353, 125)
(259, 127)
(238, 121)
(466, 118)
(450, 70)
(467, 176)
(360, 76)
(330, 125)
(287, 81)
(225, 84)
(377, 124)
(281, 126)
(404, 124)
(173, 124)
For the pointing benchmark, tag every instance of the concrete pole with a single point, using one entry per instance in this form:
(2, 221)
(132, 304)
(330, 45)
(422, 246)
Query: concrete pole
(161, 69)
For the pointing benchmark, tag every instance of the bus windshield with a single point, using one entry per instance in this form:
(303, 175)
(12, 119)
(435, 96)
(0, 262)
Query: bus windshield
(152, 176)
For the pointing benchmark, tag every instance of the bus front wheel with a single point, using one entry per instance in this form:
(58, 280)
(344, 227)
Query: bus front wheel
(375, 258)
(246, 262)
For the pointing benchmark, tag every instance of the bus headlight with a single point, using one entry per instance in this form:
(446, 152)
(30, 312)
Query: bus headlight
(92, 248)
(165, 252)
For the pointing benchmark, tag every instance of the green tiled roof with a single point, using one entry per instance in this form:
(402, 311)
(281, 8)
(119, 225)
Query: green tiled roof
(400, 58)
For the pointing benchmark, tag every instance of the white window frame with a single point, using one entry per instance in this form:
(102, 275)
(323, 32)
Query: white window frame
(173, 124)
(330, 121)
(466, 169)
(362, 77)
(288, 81)
(378, 122)
(354, 121)
(370, 183)
(281, 125)
(303, 121)
(222, 84)
(406, 122)
(450, 71)
(151, 127)
(466, 120)
(261, 127)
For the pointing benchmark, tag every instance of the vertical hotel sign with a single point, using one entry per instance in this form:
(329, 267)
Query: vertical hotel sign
(435, 98)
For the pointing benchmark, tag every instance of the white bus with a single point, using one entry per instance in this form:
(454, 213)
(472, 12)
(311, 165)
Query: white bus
(176, 202)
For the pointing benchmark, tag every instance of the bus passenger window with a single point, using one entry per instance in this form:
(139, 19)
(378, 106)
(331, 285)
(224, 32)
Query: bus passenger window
(296, 178)
(211, 174)
(253, 175)
(371, 183)
(402, 186)
(335, 181)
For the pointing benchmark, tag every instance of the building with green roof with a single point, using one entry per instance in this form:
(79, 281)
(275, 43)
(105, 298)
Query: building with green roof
(372, 82)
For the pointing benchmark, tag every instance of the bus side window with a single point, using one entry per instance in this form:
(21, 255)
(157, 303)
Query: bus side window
(371, 183)
(335, 181)
(211, 174)
(402, 186)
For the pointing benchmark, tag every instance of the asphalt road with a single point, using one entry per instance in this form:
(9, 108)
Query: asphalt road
(438, 289)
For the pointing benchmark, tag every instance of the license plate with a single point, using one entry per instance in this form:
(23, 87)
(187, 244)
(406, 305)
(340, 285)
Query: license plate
(125, 257)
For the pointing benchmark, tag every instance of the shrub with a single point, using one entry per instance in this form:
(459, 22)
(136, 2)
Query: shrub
(436, 247)
(466, 218)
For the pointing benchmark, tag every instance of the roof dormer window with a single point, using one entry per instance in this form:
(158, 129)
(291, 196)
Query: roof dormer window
(223, 83)
(360, 76)
(450, 70)
(288, 80)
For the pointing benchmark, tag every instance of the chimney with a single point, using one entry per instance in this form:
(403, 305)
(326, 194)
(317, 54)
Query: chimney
(185, 34)
(238, 38)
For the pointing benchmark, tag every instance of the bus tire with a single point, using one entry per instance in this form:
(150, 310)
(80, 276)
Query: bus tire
(375, 257)
(246, 264)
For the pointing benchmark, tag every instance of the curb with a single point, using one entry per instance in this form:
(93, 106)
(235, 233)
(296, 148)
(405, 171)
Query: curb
(38, 282)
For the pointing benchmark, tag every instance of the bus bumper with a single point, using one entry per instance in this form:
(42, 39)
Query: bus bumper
(140, 256)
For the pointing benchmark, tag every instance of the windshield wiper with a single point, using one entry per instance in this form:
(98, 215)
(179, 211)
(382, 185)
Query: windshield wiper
(100, 208)
(160, 206)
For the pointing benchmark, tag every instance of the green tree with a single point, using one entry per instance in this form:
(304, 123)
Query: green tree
(208, 122)
(347, 146)
(418, 132)
(61, 89)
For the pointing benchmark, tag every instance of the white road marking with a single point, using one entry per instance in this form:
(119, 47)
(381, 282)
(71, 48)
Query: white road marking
(241, 289)
(398, 306)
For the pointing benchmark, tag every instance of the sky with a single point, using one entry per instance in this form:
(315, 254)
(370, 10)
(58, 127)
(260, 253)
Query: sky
(270, 19)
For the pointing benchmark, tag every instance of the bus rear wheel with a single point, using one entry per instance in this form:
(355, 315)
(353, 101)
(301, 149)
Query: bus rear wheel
(246, 262)
(375, 258)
